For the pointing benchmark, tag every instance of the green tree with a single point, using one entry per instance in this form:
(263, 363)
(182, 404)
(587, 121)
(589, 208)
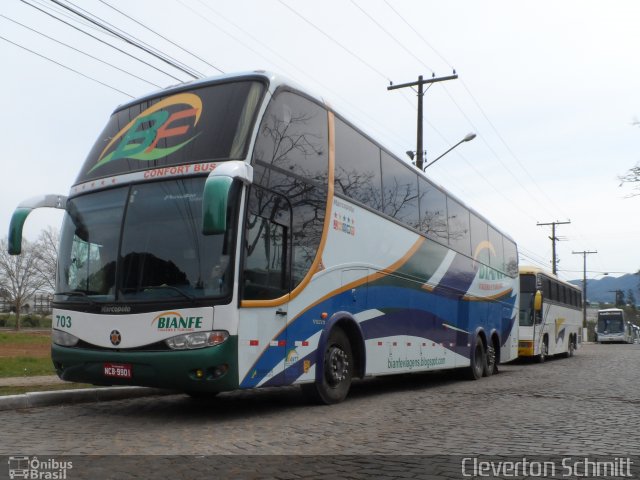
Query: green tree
(631, 299)
(620, 300)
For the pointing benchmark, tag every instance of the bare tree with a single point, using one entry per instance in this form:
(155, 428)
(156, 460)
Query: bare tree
(20, 277)
(47, 254)
(632, 176)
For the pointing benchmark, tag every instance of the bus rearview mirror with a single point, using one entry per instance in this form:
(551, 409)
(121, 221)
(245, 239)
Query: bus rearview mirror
(22, 212)
(537, 301)
(215, 198)
(215, 201)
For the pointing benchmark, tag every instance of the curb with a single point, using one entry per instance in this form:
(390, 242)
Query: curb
(80, 395)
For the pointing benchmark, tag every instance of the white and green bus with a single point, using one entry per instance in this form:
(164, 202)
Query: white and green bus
(550, 320)
(236, 232)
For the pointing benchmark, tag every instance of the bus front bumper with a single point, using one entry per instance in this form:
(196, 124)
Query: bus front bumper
(209, 369)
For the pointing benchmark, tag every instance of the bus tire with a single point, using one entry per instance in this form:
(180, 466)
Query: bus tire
(491, 361)
(544, 350)
(338, 365)
(570, 347)
(478, 361)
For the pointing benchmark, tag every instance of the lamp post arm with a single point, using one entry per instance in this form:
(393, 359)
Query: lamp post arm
(434, 161)
(467, 138)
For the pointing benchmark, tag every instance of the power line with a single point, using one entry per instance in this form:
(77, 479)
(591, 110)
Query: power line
(333, 40)
(486, 117)
(419, 35)
(160, 35)
(64, 13)
(123, 35)
(80, 51)
(66, 67)
(365, 117)
(102, 41)
(391, 36)
(129, 40)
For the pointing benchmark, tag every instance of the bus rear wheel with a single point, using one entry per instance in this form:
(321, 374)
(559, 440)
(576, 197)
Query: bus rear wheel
(337, 361)
(478, 361)
(570, 348)
(491, 362)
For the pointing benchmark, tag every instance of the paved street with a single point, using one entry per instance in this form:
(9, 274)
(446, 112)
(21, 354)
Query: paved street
(585, 405)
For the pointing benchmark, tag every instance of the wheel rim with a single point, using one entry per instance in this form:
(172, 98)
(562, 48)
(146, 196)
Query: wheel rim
(491, 358)
(477, 361)
(338, 365)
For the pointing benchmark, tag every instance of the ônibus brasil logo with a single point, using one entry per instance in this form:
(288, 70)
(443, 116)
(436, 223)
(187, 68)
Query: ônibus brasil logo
(138, 140)
(175, 322)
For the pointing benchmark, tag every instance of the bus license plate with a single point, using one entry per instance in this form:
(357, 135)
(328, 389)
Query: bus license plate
(118, 370)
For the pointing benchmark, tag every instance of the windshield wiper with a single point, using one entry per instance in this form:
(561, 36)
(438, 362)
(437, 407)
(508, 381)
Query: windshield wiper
(77, 293)
(170, 287)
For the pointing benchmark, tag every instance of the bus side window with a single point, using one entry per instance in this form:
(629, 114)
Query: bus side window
(433, 212)
(357, 170)
(459, 229)
(399, 191)
(267, 246)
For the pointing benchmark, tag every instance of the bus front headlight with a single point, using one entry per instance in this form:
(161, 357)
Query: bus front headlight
(190, 341)
(63, 338)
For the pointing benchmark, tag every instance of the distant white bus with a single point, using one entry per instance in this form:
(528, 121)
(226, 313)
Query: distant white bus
(612, 327)
(550, 315)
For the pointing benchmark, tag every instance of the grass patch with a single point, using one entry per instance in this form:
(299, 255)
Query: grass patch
(25, 338)
(43, 388)
(26, 367)
(30, 320)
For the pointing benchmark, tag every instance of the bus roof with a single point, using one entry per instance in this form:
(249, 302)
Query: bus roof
(275, 81)
(531, 270)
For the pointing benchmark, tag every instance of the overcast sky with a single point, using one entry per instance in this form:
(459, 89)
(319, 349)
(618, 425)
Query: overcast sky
(550, 87)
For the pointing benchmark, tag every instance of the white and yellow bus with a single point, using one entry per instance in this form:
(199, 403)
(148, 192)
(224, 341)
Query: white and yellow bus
(236, 232)
(550, 315)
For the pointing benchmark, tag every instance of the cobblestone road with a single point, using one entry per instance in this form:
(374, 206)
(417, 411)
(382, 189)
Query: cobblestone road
(588, 405)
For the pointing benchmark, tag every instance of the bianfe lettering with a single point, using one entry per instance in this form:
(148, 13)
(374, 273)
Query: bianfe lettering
(174, 322)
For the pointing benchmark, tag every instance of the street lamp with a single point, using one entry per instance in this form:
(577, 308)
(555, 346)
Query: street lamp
(467, 138)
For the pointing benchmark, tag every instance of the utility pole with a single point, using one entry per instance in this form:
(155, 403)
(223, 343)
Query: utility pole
(619, 299)
(554, 239)
(584, 254)
(420, 83)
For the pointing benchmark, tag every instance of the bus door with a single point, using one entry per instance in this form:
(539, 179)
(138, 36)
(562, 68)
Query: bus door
(540, 327)
(266, 283)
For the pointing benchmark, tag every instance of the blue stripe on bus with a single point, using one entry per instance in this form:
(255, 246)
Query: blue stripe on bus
(407, 311)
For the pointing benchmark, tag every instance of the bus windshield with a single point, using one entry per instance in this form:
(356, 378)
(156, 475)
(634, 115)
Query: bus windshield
(210, 123)
(527, 292)
(611, 323)
(141, 243)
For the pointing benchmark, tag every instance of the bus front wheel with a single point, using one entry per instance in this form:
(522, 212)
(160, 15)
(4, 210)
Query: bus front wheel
(337, 362)
(544, 351)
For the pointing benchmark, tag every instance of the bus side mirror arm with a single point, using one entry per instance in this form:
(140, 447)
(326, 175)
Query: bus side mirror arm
(22, 212)
(537, 301)
(215, 198)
